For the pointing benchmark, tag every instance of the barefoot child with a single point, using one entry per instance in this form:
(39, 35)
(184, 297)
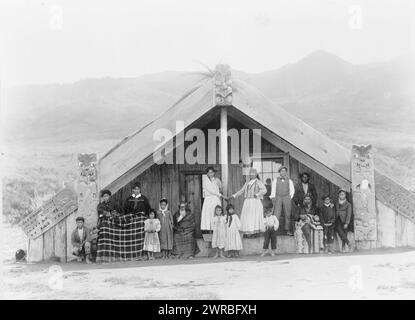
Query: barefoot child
(166, 232)
(151, 240)
(219, 231)
(233, 241)
(328, 219)
(270, 235)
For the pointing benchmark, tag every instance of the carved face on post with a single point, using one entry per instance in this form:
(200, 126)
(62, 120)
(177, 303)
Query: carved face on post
(87, 167)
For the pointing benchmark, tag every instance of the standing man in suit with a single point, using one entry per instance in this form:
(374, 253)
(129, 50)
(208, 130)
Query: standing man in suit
(305, 187)
(282, 192)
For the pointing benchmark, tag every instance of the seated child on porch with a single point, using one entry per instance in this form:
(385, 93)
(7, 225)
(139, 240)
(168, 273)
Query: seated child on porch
(327, 214)
(151, 240)
(270, 234)
(219, 232)
(81, 241)
(233, 242)
(94, 242)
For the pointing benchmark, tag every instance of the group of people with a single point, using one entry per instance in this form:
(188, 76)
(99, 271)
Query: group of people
(173, 235)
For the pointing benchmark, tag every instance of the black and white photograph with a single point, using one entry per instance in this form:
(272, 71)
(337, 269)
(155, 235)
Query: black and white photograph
(207, 150)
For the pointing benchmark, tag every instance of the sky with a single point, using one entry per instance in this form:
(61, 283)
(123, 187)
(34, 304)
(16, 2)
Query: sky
(65, 41)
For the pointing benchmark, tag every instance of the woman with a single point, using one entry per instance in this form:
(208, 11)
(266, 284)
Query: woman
(212, 194)
(252, 215)
(184, 224)
(344, 216)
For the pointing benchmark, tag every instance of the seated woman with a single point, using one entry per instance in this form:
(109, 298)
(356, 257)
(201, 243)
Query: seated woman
(308, 226)
(184, 226)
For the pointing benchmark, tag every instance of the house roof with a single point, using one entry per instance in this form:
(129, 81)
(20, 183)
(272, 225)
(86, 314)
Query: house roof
(139, 146)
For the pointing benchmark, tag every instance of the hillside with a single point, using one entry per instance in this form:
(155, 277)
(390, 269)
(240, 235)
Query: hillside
(45, 126)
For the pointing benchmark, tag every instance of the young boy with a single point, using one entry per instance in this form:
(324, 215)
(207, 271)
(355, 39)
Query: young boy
(328, 219)
(80, 241)
(270, 234)
(343, 217)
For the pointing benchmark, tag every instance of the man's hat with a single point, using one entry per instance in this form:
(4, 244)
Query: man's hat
(282, 167)
(342, 190)
(80, 219)
(104, 192)
(253, 171)
(325, 196)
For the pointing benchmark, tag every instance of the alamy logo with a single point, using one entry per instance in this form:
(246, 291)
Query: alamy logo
(204, 145)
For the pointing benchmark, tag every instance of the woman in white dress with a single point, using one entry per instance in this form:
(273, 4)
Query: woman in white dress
(212, 188)
(252, 215)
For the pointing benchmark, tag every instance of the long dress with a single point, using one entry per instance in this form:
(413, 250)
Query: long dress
(151, 239)
(219, 232)
(252, 215)
(185, 244)
(211, 195)
(166, 231)
(233, 239)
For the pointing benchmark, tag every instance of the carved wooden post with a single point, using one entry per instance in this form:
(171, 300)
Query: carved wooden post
(364, 201)
(87, 189)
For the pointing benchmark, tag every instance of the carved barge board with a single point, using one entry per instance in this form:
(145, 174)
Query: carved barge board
(395, 196)
(54, 211)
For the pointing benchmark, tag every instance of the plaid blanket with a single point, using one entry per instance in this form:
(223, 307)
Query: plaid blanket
(121, 238)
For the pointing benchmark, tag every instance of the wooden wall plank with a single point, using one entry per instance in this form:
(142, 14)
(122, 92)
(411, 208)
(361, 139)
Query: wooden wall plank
(70, 226)
(35, 249)
(60, 240)
(49, 244)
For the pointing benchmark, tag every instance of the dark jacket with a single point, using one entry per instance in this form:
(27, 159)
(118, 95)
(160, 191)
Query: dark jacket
(137, 205)
(327, 214)
(299, 193)
(344, 212)
(76, 241)
(104, 210)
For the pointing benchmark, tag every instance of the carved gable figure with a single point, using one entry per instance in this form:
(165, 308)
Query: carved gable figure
(223, 84)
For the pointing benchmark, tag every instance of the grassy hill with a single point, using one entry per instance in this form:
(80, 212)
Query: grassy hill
(45, 126)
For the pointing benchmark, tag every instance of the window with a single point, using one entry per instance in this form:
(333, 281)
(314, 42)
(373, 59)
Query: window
(268, 165)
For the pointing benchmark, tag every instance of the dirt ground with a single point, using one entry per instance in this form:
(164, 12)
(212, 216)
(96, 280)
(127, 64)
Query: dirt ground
(380, 274)
(386, 274)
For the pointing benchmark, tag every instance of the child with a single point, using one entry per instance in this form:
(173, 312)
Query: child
(328, 219)
(93, 237)
(166, 231)
(219, 232)
(233, 241)
(151, 239)
(270, 235)
(80, 241)
(343, 217)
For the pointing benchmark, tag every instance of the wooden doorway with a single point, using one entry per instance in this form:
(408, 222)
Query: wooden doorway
(193, 193)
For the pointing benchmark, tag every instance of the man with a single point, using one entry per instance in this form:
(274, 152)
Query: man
(304, 187)
(137, 203)
(282, 192)
(80, 241)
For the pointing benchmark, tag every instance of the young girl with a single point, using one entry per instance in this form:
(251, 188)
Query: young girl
(219, 231)
(233, 241)
(151, 239)
(166, 231)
